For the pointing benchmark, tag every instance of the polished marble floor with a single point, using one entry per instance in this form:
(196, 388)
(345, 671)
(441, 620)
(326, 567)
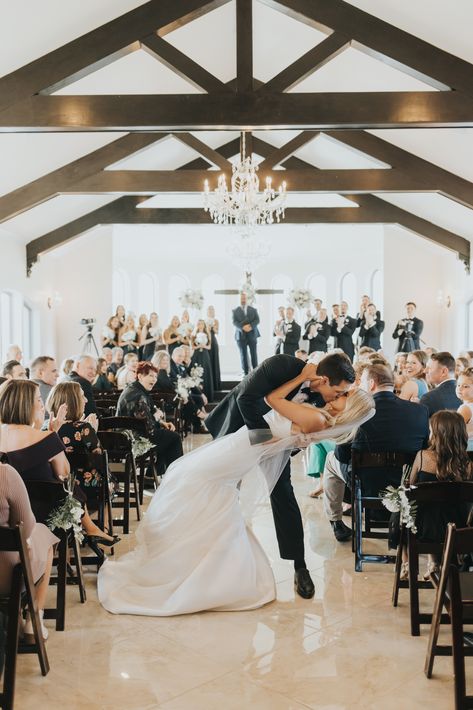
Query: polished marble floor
(345, 649)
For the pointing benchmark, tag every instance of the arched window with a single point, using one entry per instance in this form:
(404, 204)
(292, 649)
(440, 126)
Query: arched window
(349, 292)
(6, 322)
(317, 283)
(147, 293)
(209, 285)
(121, 289)
(376, 289)
(177, 284)
(27, 332)
(286, 284)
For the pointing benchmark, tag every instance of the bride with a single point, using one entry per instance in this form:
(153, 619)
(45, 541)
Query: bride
(194, 551)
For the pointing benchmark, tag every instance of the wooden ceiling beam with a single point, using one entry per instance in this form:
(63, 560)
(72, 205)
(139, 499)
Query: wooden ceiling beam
(65, 177)
(279, 155)
(244, 45)
(99, 47)
(189, 112)
(182, 65)
(306, 65)
(385, 42)
(213, 156)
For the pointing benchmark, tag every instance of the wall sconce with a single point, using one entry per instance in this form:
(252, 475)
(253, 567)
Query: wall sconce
(54, 300)
(443, 300)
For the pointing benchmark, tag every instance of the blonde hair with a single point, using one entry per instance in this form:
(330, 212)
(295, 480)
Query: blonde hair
(160, 355)
(17, 399)
(70, 394)
(359, 405)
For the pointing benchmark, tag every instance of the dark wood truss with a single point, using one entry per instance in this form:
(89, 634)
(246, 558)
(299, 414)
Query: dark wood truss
(26, 104)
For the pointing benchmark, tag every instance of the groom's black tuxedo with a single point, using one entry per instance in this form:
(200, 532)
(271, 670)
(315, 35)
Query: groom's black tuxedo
(245, 405)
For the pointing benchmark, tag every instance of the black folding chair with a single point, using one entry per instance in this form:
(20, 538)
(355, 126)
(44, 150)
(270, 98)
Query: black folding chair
(171, 404)
(119, 450)
(455, 593)
(362, 461)
(44, 497)
(427, 496)
(82, 463)
(22, 593)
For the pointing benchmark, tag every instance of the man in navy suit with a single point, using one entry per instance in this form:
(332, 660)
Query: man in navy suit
(398, 425)
(440, 372)
(246, 320)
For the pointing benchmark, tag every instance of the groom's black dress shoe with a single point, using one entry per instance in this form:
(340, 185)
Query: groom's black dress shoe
(304, 584)
(341, 531)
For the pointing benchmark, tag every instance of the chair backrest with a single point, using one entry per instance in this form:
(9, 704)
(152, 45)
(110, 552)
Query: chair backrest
(11, 539)
(85, 461)
(459, 541)
(116, 444)
(120, 423)
(381, 459)
(168, 397)
(441, 492)
(44, 497)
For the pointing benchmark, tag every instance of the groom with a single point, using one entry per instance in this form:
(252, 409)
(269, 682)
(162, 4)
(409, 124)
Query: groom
(245, 404)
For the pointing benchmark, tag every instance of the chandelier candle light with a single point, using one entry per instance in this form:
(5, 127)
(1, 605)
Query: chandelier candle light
(244, 205)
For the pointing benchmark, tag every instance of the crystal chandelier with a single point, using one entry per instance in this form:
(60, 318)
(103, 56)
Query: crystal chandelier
(244, 205)
(248, 252)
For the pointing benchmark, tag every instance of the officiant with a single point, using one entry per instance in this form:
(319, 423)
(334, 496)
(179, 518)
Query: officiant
(246, 319)
(408, 330)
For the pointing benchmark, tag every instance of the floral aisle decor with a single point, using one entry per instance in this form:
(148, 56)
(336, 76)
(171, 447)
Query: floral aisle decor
(68, 515)
(140, 445)
(300, 298)
(192, 298)
(396, 501)
(186, 384)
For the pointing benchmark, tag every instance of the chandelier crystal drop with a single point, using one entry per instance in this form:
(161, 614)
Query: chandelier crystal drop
(244, 205)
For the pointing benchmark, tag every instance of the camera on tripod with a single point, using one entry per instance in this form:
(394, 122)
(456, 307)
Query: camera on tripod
(88, 321)
(89, 343)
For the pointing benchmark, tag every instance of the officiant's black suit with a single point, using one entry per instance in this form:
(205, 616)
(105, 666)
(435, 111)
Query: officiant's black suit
(245, 405)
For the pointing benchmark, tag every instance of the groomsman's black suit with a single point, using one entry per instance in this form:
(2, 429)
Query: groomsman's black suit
(370, 337)
(344, 337)
(408, 331)
(293, 335)
(245, 405)
(318, 343)
(246, 340)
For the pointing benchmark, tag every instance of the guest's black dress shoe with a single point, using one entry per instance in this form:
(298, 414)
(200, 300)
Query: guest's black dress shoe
(304, 584)
(341, 531)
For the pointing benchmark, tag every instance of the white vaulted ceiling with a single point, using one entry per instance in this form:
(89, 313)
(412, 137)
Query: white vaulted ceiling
(210, 41)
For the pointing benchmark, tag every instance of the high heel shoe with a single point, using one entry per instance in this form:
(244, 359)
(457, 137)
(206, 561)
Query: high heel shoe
(28, 633)
(404, 572)
(99, 540)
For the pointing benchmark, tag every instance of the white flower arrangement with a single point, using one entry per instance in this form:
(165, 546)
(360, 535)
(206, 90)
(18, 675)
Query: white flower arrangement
(192, 298)
(300, 297)
(197, 375)
(140, 445)
(249, 290)
(68, 515)
(185, 384)
(396, 501)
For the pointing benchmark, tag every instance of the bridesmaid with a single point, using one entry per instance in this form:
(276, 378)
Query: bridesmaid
(151, 337)
(128, 337)
(109, 337)
(172, 335)
(120, 314)
(201, 356)
(213, 326)
(142, 328)
(186, 327)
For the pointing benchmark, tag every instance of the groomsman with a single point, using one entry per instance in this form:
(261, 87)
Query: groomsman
(343, 327)
(278, 331)
(292, 333)
(408, 330)
(317, 332)
(246, 320)
(371, 328)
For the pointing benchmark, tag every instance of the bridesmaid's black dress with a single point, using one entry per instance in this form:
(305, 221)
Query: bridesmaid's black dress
(215, 359)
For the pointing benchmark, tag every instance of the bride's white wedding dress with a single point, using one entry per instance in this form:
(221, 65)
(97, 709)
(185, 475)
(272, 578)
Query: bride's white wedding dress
(194, 550)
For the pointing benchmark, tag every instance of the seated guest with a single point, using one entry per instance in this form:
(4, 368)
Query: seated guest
(15, 508)
(107, 355)
(440, 373)
(115, 365)
(364, 352)
(429, 350)
(445, 459)
(101, 383)
(461, 364)
(44, 372)
(415, 385)
(162, 363)
(136, 401)
(14, 352)
(38, 455)
(371, 328)
(83, 372)
(14, 370)
(397, 425)
(127, 374)
(66, 368)
(465, 393)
